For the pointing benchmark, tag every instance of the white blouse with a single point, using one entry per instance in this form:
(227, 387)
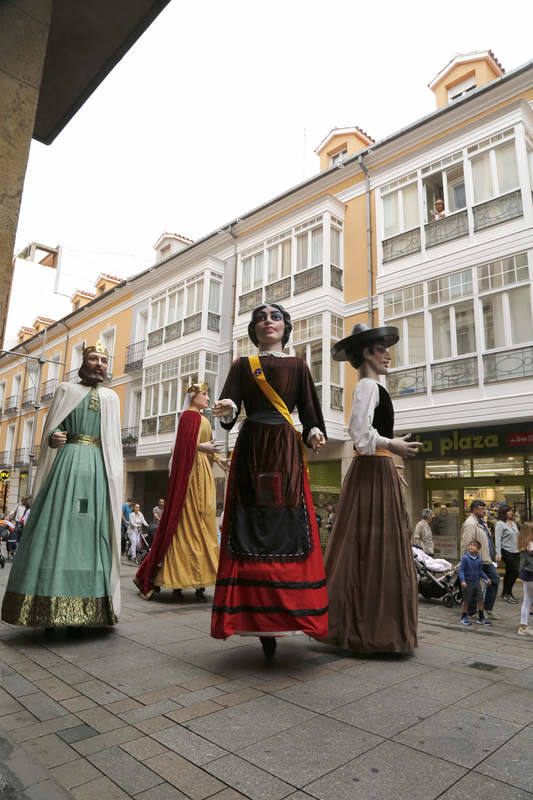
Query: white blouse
(365, 399)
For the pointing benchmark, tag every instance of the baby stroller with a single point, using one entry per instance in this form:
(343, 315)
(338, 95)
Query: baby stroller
(7, 535)
(143, 548)
(444, 586)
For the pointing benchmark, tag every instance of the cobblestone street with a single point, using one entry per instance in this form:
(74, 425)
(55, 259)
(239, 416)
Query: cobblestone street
(156, 709)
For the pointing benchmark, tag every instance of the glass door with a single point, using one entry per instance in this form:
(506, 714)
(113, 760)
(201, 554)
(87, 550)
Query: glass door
(515, 496)
(446, 523)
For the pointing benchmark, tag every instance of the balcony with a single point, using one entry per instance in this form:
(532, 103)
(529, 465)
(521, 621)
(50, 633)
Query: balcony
(155, 338)
(279, 290)
(192, 324)
(444, 230)
(28, 398)
(336, 277)
(509, 364)
(249, 301)
(501, 209)
(149, 426)
(407, 381)
(134, 356)
(6, 459)
(213, 322)
(11, 404)
(25, 456)
(166, 423)
(173, 331)
(335, 398)
(72, 376)
(48, 389)
(452, 374)
(401, 245)
(130, 438)
(309, 279)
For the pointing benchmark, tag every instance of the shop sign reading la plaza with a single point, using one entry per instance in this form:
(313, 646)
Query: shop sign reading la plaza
(476, 441)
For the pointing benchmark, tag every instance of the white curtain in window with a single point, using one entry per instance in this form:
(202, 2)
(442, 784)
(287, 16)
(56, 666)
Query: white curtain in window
(301, 251)
(442, 347)
(390, 214)
(464, 328)
(335, 370)
(246, 278)
(199, 296)
(214, 296)
(482, 178)
(258, 270)
(493, 321)
(415, 339)
(335, 247)
(520, 312)
(410, 206)
(272, 264)
(316, 361)
(316, 247)
(397, 356)
(506, 167)
(286, 257)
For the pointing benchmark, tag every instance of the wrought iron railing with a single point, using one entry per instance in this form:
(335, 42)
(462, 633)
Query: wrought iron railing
(336, 277)
(500, 209)
(319, 392)
(401, 245)
(6, 458)
(309, 279)
(134, 356)
(447, 228)
(22, 457)
(155, 338)
(48, 389)
(149, 426)
(192, 324)
(278, 290)
(11, 404)
(72, 376)
(407, 381)
(28, 398)
(247, 302)
(335, 398)
(508, 364)
(173, 331)
(130, 438)
(452, 374)
(167, 423)
(213, 322)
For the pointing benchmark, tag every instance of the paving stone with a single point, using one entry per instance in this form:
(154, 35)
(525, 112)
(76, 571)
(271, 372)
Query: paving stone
(154, 725)
(191, 780)
(32, 671)
(149, 711)
(25, 770)
(124, 770)
(68, 672)
(191, 698)
(245, 724)
(229, 794)
(388, 670)
(188, 744)
(95, 743)
(459, 735)
(78, 703)
(47, 790)
(193, 712)
(443, 684)
(253, 782)
(44, 728)
(15, 684)
(21, 719)
(100, 692)
(144, 748)
(307, 751)
(42, 706)
(504, 701)
(162, 792)
(101, 788)
(77, 733)
(327, 693)
(300, 796)
(75, 773)
(119, 706)
(201, 682)
(160, 694)
(512, 762)
(475, 786)
(387, 711)
(100, 719)
(235, 698)
(387, 772)
(56, 688)
(8, 704)
(50, 751)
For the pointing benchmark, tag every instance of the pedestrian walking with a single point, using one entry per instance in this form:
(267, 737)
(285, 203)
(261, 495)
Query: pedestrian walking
(474, 527)
(525, 549)
(423, 535)
(470, 574)
(506, 535)
(136, 523)
(127, 508)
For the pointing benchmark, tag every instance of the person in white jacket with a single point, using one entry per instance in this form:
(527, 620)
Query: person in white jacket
(135, 525)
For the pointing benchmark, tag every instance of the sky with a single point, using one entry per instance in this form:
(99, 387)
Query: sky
(219, 107)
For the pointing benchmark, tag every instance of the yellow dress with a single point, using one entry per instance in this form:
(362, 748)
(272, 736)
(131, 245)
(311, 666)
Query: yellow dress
(191, 561)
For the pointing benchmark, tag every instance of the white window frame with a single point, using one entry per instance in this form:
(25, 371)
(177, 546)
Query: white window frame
(401, 217)
(495, 183)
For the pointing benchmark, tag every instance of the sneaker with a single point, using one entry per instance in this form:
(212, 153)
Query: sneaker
(484, 621)
(465, 621)
(492, 614)
(508, 598)
(526, 632)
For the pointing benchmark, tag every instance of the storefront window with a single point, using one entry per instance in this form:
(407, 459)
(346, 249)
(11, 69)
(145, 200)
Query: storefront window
(449, 468)
(498, 465)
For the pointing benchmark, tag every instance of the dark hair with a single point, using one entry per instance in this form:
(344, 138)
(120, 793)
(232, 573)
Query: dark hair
(476, 542)
(286, 319)
(356, 357)
(477, 504)
(502, 511)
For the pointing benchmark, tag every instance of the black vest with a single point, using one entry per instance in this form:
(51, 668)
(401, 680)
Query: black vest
(383, 420)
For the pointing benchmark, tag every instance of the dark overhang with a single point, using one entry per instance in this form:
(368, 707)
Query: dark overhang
(86, 40)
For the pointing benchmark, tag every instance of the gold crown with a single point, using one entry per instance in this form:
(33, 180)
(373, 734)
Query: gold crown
(95, 348)
(194, 388)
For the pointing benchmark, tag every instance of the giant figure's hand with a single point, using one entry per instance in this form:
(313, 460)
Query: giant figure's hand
(403, 448)
(317, 440)
(58, 439)
(209, 447)
(222, 407)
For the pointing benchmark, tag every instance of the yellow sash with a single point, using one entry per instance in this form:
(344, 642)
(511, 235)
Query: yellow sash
(276, 400)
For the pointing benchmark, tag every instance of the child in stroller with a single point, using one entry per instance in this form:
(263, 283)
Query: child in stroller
(437, 579)
(144, 545)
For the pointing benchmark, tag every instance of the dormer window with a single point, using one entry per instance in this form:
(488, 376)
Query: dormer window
(338, 157)
(460, 89)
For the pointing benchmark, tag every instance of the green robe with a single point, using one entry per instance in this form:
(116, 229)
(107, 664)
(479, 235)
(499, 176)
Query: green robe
(61, 572)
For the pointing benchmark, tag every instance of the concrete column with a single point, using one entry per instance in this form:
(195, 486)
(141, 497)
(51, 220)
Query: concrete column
(24, 26)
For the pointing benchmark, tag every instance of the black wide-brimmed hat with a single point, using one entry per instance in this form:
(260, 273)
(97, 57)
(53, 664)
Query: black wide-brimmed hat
(361, 336)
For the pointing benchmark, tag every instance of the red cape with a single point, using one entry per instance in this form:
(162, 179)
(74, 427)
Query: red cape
(182, 462)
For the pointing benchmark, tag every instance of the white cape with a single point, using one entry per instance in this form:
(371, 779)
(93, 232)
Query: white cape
(67, 397)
